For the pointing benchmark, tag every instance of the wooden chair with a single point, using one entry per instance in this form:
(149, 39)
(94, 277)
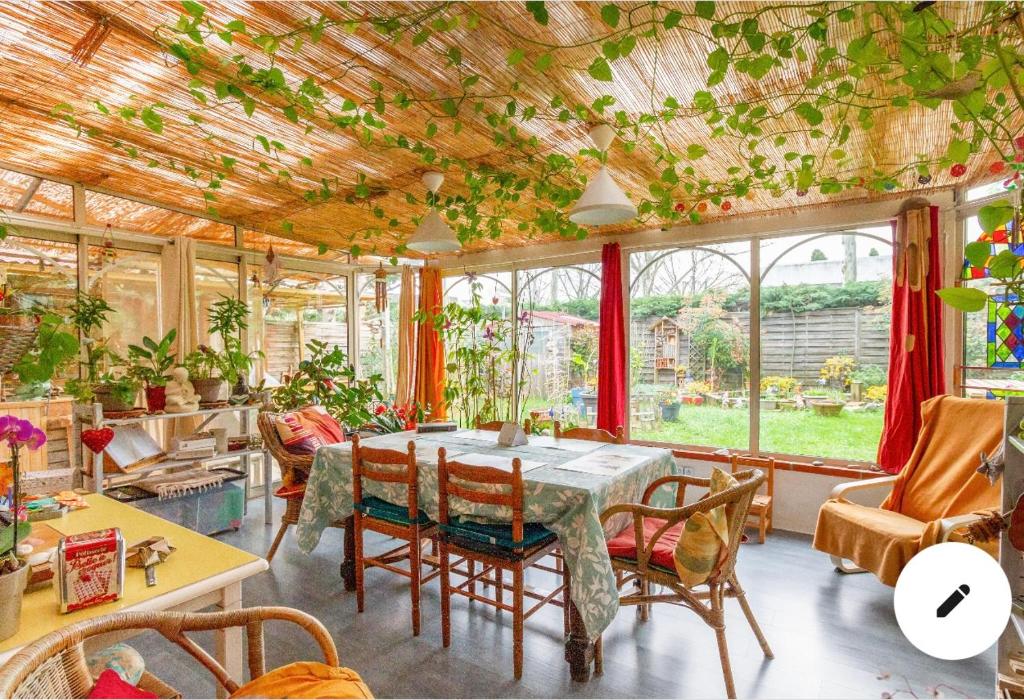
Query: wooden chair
(514, 546)
(298, 466)
(707, 599)
(761, 507)
(596, 434)
(54, 666)
(403, 522)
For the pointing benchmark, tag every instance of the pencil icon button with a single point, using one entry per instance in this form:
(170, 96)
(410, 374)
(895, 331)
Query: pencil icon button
(954, 599)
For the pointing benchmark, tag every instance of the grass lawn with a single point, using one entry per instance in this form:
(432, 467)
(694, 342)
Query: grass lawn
(851, 436)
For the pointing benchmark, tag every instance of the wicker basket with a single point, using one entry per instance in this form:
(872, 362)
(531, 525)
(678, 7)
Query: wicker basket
(15, 341)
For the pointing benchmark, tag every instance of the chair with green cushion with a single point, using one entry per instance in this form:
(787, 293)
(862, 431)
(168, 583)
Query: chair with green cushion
(513, 546)
(404, 522)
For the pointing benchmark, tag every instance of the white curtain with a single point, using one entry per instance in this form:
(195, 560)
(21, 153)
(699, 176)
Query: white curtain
(406, 338)
(178, 289)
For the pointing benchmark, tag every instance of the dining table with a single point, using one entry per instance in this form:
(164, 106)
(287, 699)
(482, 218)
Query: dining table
(567, 484)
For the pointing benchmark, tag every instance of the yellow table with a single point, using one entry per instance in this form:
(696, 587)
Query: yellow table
(202, 572)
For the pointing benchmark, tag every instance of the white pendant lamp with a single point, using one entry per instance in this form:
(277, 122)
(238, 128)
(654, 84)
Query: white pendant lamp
(603, 202)
(433, 235)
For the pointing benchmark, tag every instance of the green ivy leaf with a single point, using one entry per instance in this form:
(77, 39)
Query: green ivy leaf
(705, 9)
(672, 19)
(978, 253)
(153, 121)
(193, 8)
(695, 151)
(543, 62)
(718, 60)
(538, 10)
(321, 249)
(968, 299)
(600, 70)
(992, 216)
(610, 15)
(958, 151)
(516, 57)
(291, 114)
(809, 113)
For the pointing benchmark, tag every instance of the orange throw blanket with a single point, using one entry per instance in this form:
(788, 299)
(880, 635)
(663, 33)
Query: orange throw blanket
(939, 481)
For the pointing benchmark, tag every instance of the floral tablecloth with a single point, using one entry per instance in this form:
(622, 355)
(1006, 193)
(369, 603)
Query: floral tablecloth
(566, 500)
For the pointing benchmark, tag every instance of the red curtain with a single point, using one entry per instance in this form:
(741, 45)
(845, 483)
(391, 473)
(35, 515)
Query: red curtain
(611, 358)
(916, 366)
(430, 365)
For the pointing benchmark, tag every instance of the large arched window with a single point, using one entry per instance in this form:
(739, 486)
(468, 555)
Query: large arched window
(558, 329)
(689, 354)
(825, 316)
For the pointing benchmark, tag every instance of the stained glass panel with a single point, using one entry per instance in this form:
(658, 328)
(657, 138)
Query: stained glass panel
(1005, 331)
(999, 240)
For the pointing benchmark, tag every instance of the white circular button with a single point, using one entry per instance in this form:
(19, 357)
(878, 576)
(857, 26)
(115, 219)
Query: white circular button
(952, 601)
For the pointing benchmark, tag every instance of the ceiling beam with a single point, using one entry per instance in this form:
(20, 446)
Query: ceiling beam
(28, 194)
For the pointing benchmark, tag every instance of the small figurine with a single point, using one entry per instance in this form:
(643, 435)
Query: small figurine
(181, 395)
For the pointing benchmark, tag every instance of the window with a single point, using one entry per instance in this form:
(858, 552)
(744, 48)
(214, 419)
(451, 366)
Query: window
(297, 308)
(378, 330)
(214, 280)
(129, 281)
(825, 314)
(478, 336)
(987, 190)
(689, 345)
(558, 327)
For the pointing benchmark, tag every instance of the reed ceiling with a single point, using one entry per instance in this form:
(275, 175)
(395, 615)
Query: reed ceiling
(130, 67)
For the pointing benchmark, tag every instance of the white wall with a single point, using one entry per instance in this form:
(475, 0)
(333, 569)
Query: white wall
(798, 495)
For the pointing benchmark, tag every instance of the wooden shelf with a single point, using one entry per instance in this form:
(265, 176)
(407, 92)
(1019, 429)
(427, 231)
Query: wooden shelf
(178, 463)
(165, 416)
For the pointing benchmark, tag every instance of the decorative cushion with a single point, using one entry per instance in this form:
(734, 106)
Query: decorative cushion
(702, 545)
(119, 658)
(304, 431)
(383, 510)
(497, 535)
(306, 679)
(623, 545)
(110, 685)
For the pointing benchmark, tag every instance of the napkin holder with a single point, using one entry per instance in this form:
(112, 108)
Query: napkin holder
(511, 435)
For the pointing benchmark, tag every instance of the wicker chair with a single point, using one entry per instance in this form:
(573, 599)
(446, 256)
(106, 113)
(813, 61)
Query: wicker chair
(54, 666)
(596, 434)
(707, 599)
(296, 465)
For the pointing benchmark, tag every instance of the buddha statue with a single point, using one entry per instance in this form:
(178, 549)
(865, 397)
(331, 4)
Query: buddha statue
(181, 395)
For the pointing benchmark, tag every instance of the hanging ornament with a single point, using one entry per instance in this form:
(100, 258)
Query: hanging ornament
(380, 289)
(271, 267)
(109, 255)
(958, 170)
(83, 51)
(726, 205)
(924, 179)
(997, 167)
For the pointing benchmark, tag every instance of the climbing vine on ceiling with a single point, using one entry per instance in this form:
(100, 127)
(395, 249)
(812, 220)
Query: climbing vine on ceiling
(794, 138)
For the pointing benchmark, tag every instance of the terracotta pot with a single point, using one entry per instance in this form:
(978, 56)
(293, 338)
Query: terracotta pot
(110, 402)
(12, 586)
(156, 398)
(209, 390)
(830, 409)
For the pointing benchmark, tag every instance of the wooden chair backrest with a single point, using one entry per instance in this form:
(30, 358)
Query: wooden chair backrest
(737, 502)
(364, 461)
(765, 464)
(460, 480)
(595, 434)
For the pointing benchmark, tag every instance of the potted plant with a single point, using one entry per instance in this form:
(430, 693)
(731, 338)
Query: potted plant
(669, 403)
(149, 363)
(228, 319)
(205, 372)
(830, 406)
(17, 433)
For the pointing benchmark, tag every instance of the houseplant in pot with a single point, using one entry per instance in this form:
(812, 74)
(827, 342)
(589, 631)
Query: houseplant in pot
(669, 402)
(228, 319)
(149, 363)
(17, 433)
(205, 371)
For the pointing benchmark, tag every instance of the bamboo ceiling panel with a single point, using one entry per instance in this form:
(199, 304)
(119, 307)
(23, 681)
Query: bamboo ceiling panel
(36, 74)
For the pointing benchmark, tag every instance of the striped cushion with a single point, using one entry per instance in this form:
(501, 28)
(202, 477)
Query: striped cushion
(701, 548)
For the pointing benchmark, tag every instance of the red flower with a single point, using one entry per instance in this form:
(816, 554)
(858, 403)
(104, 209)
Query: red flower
(726, 206)
(997, 167)
(958, 170)
(680, 206)
(380, 409)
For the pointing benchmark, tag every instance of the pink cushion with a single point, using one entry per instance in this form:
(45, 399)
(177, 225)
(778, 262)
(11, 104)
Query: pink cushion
(304, 431)
(110, 685)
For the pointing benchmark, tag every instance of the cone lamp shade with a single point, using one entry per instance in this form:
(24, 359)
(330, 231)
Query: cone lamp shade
(433, 235)
(603, 202)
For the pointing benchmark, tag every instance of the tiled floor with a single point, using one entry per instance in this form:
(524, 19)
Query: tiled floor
(833, 636)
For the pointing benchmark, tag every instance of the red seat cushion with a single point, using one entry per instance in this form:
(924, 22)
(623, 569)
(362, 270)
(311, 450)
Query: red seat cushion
(623, 545)
(286, 491)
(110, 685)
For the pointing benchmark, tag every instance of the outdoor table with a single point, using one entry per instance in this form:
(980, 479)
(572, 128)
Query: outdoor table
(567, 485)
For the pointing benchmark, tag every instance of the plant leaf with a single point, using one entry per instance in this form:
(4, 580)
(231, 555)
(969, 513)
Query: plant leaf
(967, 299)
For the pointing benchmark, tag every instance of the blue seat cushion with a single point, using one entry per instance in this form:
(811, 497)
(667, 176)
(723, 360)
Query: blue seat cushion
(497, 535)
(383, 510)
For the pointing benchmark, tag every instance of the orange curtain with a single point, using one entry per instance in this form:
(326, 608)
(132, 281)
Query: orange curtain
(406, 339)
(430, 366)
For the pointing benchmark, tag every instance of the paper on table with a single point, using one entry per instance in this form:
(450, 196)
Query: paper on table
(497, 461)
(470, 434)
(564, 443)
(604, 463)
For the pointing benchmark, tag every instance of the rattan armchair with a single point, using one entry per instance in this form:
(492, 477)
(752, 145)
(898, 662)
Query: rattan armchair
(54, 666)
(298, 467)
(707, 599)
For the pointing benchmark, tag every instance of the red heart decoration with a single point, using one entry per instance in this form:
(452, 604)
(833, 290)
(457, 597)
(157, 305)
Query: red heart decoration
(1016, 529)
(98, 438)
